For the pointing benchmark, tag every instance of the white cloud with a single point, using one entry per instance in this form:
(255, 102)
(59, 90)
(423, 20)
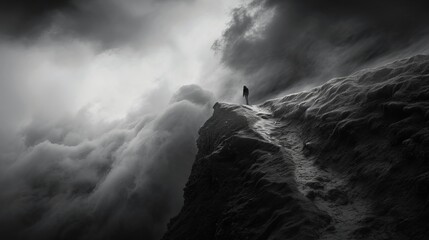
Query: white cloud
(89, 140)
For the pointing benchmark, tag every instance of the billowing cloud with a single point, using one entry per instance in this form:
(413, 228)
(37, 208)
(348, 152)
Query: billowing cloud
(194, 94)
(97, 136)
(105, 23)
(279, 45)
(97, 132)
(123, 182)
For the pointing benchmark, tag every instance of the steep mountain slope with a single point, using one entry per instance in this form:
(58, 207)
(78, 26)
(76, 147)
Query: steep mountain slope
(346, 160)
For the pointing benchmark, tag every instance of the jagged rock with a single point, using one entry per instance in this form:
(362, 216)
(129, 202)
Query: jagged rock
(242, 186)
(371, 129)
(315, 185)
(338, 196)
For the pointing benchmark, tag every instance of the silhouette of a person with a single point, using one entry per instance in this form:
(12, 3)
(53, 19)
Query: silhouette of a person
(246, 94)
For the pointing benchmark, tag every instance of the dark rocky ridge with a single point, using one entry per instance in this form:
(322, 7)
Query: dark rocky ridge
(346, 160)
(242, 186)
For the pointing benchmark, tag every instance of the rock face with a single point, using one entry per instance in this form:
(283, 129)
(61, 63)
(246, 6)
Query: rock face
(242, 185)
(346, 160)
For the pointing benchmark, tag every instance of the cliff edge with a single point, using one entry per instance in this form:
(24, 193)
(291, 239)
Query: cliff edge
(346, 160)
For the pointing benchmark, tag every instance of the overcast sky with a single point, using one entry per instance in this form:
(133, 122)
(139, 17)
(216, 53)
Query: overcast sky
(281, 46)
(97, 134)
(105, 54)
(101, 100)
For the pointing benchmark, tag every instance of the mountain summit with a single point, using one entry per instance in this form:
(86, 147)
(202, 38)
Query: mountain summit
(346, 160)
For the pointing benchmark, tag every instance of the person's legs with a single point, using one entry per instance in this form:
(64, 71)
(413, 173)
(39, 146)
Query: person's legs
(247, 100)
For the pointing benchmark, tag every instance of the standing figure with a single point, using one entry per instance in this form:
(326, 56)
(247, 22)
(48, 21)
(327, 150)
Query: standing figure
(246, 94)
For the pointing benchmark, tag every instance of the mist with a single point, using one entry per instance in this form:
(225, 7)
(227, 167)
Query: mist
(101, 101)
(279, 47)
(123, 182)
(100, 111)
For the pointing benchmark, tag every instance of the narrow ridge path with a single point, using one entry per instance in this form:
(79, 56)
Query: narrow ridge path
(325, 188)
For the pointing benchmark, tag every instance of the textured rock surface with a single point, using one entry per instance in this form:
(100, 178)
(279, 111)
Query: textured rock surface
(346, 160)
(242, 186)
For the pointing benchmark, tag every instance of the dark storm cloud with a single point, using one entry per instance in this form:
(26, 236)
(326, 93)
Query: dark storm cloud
(277, 45)
(75, 180)
(23, 17)
(107, 23)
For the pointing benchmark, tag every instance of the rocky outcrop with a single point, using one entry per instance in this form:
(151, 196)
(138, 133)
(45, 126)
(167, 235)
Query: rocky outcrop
(346, 160)
(373, 127)
(242, 186)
